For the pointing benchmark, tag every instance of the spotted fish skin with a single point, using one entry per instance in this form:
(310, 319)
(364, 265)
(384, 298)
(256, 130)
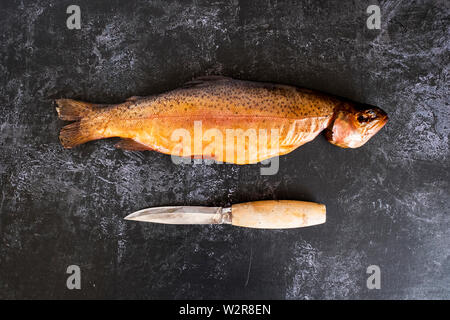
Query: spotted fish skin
(213, 106)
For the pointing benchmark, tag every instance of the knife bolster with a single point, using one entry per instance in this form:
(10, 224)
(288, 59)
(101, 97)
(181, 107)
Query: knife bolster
(226, 216)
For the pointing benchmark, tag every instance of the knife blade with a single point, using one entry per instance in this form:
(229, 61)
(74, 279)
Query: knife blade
(181, 215)
(268, 214)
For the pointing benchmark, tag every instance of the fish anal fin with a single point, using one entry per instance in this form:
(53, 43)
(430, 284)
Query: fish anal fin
(131, 145)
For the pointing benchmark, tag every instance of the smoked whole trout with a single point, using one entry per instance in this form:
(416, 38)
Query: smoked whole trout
(224, 119)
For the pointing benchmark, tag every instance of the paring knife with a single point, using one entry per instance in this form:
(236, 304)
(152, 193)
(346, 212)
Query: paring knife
(270, 214)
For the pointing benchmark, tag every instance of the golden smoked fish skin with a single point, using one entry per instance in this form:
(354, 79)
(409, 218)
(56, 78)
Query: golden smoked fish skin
(228, 120)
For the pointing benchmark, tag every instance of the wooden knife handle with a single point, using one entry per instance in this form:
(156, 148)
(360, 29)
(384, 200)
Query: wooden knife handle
(273, 214)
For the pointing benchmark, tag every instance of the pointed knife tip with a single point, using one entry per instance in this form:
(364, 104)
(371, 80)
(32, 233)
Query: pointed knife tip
(134, 215)
(129, 217)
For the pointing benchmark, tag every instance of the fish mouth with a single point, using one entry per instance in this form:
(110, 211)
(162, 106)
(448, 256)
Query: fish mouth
(381, 114)
(381, 118)
(375, 125)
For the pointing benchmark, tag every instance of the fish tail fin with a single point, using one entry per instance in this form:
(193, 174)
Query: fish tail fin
(69, 109)
(81, 131)
(73, 135)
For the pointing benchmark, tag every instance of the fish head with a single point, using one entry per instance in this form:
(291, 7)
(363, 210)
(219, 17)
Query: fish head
(354, 125)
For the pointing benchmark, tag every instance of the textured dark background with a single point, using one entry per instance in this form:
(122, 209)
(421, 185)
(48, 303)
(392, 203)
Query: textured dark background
(388, 202)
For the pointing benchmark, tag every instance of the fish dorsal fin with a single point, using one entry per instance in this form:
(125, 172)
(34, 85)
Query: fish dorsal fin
(134, 98)
(204, 81)
(131, 145)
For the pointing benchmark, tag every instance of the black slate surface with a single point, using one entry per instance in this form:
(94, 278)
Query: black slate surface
(388, 202)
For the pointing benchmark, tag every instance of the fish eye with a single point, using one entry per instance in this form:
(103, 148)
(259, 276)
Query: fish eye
(362, 118)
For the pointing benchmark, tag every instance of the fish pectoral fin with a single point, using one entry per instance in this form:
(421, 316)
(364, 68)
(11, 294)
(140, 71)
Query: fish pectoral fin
(131, 145)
